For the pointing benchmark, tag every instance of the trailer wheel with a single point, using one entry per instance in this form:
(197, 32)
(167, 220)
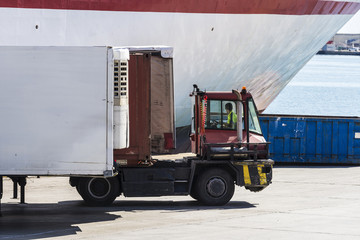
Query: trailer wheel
(99, 191)
(215, 187)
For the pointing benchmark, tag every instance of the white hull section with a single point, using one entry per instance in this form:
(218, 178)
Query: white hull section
(215, 51)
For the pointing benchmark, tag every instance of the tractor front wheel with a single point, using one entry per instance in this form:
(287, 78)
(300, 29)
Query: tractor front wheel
(215, 187)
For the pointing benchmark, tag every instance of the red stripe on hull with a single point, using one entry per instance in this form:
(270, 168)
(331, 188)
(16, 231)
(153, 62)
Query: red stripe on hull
(285, 7)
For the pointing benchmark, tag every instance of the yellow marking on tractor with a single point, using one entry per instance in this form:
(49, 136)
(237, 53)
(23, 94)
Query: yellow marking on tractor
(262, 175)
(247, 179)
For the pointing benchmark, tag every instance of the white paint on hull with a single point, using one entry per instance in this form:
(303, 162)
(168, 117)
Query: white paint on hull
(216, 51)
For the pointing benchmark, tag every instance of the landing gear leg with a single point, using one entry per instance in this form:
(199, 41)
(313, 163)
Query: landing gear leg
(1, 192)
(22, 182)
(15, 189)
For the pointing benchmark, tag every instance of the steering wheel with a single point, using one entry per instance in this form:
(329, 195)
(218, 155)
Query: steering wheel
(214, 123)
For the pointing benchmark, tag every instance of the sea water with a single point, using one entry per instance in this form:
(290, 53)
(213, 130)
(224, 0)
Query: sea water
(328, 85)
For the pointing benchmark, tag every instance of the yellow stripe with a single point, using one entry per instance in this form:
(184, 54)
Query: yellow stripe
(262, 175)
(246, 175)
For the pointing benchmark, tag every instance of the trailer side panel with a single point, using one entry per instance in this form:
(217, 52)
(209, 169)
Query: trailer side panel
(53, 104)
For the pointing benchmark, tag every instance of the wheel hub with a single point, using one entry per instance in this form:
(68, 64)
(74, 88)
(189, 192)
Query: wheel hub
(216, 187)
(99, 187)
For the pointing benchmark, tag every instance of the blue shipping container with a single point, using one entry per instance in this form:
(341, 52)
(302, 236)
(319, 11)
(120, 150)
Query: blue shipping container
(312, 139)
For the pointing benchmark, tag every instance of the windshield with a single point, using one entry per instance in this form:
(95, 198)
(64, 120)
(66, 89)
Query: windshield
(254, 125)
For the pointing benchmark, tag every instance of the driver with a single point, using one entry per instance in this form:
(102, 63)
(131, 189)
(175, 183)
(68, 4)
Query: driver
(231, 118)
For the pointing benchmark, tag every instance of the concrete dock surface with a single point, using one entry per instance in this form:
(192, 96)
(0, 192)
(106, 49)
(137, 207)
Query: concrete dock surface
(303, 202)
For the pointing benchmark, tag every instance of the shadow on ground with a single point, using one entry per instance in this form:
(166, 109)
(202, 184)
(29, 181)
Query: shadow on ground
(36, 221)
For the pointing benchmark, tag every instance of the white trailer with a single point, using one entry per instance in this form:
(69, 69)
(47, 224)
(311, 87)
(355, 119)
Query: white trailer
(65, 110)
(57, 110)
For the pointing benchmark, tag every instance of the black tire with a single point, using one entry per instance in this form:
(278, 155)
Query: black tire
(194, 194)
(214, 187)
(78, 189)
(99, 191)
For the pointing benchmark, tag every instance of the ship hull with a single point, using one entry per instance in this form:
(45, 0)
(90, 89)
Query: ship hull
(217, 51)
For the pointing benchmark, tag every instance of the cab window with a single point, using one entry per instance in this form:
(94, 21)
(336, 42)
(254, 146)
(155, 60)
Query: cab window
(221, 115)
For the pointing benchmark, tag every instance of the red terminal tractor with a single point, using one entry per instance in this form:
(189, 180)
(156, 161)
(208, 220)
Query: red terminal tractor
(225, 127)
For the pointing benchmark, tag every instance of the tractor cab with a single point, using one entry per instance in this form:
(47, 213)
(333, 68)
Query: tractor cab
(226, 125)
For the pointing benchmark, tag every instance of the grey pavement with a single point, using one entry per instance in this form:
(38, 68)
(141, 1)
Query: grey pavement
(301, 203)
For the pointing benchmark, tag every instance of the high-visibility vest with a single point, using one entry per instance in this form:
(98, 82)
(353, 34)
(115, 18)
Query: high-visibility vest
(232, 119)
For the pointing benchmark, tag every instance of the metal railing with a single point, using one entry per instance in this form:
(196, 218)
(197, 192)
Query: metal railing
(236, 151)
